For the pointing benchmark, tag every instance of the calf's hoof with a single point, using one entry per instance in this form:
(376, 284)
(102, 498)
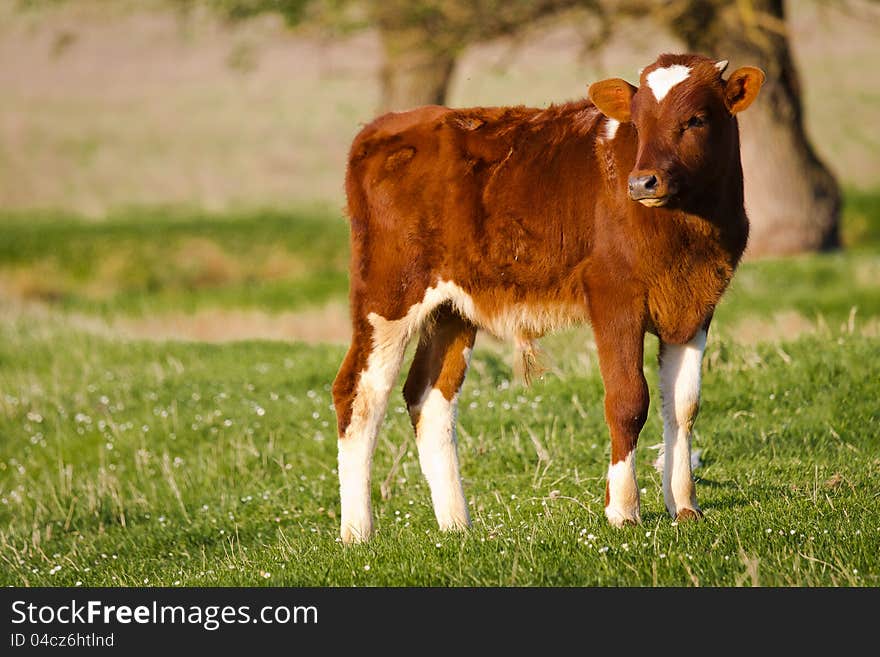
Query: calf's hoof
(688, 514)
(352, 535)
(454, 525)
(622, 518)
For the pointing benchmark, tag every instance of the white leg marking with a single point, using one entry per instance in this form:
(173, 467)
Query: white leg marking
(368, 408)
(435, 436)
(356, 447)
(680, 389)
(611, 126)
(623, 492)
(661, 80)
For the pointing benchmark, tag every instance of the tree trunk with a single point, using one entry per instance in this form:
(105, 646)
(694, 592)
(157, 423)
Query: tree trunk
(792, 199)
(414, 71)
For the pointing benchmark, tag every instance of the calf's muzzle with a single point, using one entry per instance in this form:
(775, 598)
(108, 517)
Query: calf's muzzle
(649, 188)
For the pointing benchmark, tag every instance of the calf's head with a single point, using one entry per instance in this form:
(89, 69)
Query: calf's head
(684, 113)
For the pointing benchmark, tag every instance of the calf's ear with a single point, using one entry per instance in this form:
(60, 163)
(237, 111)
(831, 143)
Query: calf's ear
(742, 88)
(612, 98)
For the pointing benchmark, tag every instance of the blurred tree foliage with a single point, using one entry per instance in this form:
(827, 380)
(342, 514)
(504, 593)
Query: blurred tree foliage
(291, 10)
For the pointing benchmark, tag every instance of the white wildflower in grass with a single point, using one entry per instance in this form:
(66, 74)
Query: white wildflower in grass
(265, 575)
(438, 544)
(78, 583)
(367, 567)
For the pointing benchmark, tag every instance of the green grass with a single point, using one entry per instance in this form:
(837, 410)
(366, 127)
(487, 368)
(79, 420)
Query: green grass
(153, 260)
(133, 462)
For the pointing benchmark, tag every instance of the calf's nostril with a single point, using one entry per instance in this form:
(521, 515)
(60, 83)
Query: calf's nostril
(651, 182)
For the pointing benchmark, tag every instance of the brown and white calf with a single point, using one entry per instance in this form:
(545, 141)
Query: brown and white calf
(624, 210)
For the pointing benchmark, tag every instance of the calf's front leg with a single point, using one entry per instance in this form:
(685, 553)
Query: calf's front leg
(680, 367)
(621, 349)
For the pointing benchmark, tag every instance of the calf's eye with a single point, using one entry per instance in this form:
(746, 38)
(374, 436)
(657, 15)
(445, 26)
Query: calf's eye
(695, 121)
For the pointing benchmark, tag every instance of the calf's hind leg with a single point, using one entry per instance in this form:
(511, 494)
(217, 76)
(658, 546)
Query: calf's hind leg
(360, 395)
(431, 394)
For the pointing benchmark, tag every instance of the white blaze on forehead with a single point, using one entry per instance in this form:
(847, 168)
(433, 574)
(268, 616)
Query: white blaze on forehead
(661, 80)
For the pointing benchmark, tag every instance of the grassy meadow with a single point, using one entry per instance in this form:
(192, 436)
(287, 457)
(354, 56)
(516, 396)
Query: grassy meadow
(167, 351)
(133, 461)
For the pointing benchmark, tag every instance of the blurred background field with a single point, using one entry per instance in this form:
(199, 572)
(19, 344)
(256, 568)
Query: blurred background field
(113, 104)
(167, 182)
